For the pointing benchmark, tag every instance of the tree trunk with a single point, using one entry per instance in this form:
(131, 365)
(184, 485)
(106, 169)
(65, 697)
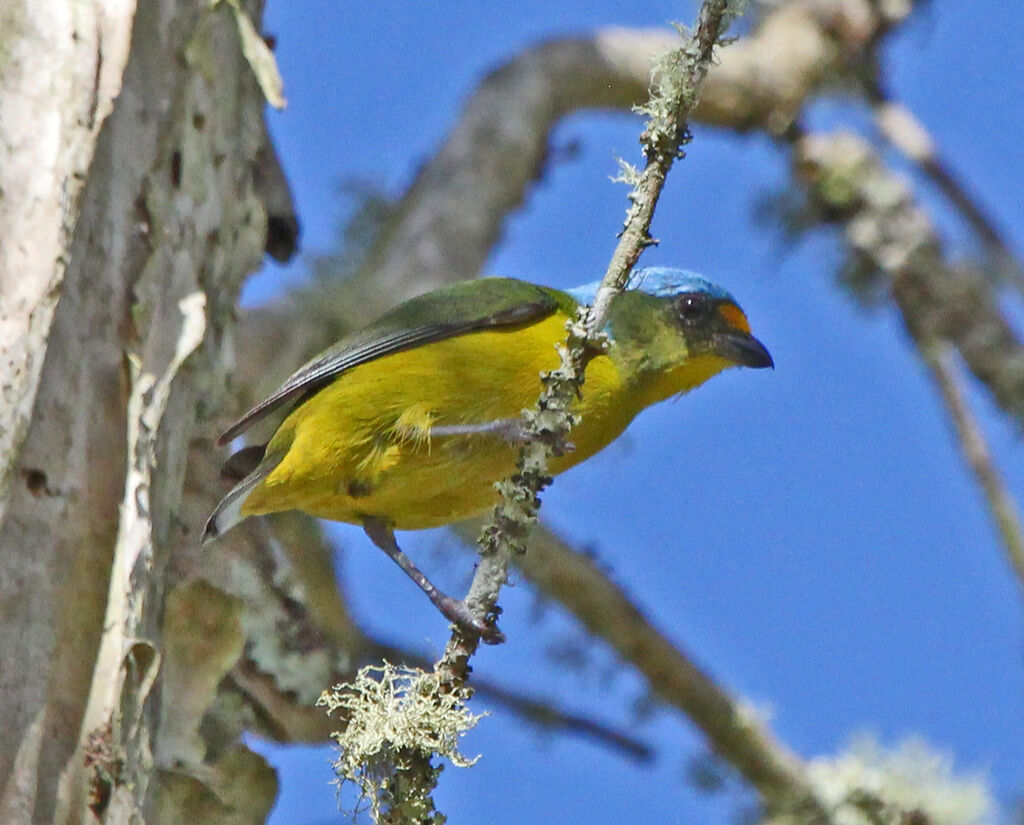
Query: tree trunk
(123, 247)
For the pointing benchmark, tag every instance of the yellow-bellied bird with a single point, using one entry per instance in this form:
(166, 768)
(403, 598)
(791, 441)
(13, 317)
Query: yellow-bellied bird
(409, 423)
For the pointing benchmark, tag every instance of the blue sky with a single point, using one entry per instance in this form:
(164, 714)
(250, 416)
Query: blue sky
(810, 534)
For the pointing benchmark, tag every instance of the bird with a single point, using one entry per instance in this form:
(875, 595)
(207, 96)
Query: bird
(410, 422)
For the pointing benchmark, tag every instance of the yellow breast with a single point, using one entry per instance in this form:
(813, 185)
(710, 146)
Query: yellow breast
(362, 446)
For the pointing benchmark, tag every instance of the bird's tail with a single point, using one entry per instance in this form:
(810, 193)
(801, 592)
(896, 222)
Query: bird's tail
(229, 512)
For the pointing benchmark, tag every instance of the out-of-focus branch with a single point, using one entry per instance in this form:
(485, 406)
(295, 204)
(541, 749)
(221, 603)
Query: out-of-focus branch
(895, 248)
(904, 131)
(733, 731)
(1005, 510)
(276, 714)
(301, 636)
(450, 218)
(499, 148)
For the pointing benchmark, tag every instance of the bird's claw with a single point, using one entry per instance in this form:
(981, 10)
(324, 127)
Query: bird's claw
(459, 614)
(514, 431)
(489, 633)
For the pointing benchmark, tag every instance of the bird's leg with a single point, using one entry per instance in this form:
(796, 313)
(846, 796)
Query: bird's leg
(511, 430)
(452, 609)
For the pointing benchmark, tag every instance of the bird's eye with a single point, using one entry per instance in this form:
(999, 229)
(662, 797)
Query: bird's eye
(692, 308)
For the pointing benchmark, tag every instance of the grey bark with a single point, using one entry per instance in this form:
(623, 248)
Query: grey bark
(167, 225)
(60, 69)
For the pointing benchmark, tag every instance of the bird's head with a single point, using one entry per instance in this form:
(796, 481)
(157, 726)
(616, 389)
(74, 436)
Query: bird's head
(674, 330)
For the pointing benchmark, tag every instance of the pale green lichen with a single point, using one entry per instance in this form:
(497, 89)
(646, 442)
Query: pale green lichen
(868, 784)
(628, 174)
(398, 719)
(677, 76)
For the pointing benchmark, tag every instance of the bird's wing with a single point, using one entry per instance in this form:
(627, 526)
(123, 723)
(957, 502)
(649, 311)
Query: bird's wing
(445, 313)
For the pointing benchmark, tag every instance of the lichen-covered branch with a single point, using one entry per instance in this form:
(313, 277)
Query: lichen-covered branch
(681, 73)
(894, 249)
(903, 130)
(679, 79)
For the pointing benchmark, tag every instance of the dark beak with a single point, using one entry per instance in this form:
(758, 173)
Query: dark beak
(744, 350)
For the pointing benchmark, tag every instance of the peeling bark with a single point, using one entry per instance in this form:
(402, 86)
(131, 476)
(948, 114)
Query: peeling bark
(60, 69)
(167, 225)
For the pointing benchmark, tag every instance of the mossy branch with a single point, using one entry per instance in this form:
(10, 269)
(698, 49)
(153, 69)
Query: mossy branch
(398, 720)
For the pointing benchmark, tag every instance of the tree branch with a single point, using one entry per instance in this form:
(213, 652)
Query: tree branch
(903, 130)
(733, 731)
(671, 103)
(1003, 508)
(894, 248)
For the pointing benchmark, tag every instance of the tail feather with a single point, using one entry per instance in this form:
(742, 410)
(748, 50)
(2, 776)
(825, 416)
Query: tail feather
(229, 512)
(244, 462)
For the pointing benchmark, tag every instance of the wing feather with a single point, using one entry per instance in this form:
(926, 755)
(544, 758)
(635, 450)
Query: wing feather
(464, 307)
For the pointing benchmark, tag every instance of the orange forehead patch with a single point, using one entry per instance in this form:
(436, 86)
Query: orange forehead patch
(734, 317)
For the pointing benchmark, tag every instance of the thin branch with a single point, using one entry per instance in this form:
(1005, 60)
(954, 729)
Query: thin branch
(282, 718)
(892, 240)
(544, 714)
(1005, 511)
(495, 153)
(893, 248)
(666, 132)
(551, 421)
(289, 556)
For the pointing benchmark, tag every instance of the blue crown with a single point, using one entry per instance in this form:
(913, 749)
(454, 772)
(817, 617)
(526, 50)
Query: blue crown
(660, 282)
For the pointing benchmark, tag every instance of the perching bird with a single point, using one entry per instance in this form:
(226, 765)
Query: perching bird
(409, 423)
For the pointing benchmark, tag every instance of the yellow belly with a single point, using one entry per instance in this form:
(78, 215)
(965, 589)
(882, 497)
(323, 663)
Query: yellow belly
(362, 445)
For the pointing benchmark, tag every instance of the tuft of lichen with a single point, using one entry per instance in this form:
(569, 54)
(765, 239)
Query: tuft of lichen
(869, 784)
(397, 720)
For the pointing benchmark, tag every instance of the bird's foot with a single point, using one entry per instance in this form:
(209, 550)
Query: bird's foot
(453, 610)
(458, 613)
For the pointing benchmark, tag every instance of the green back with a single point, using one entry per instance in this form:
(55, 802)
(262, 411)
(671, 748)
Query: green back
(463, 307)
